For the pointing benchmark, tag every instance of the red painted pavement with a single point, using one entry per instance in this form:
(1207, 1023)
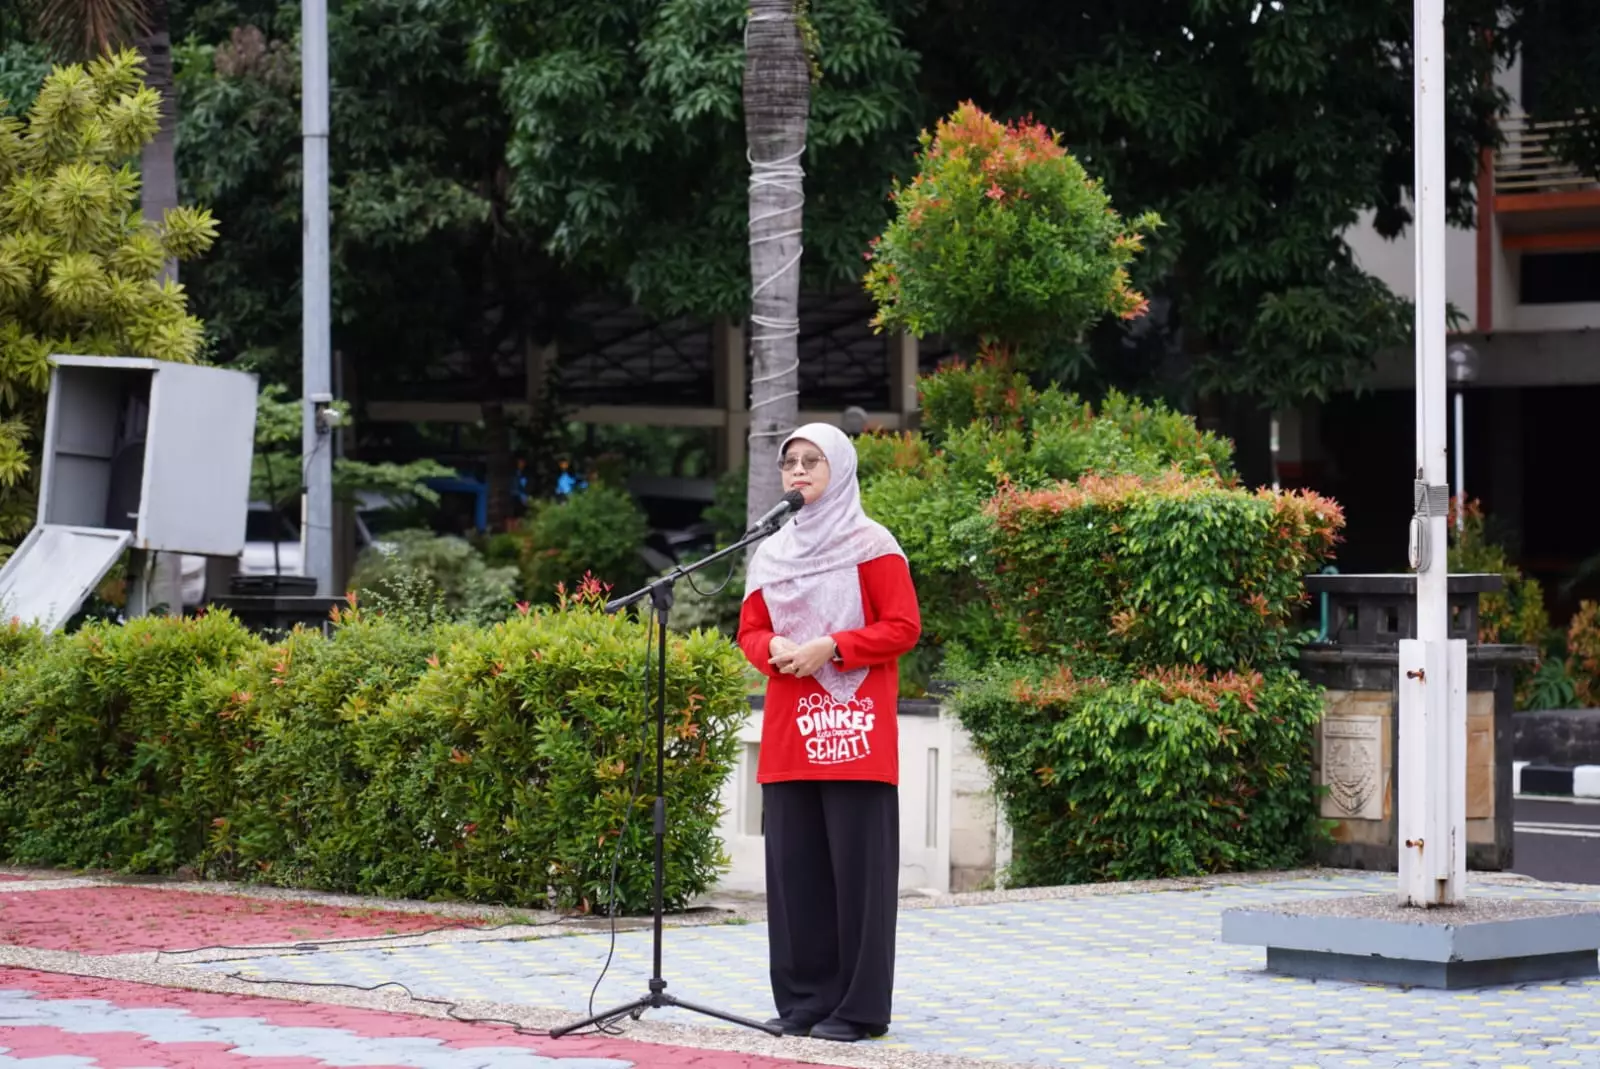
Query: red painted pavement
(122, 920)
(120, 1050)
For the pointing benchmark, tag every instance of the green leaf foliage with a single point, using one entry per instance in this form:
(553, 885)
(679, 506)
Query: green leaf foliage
(289, 812)
(1117, 614)
(79, 267)
(1168, 773)
(628, 148)
(1260, 133)
(1513, 615)
(1559, 42)
(1003, 241)
(393, 755)
(516, 756)
(594, 532)
(985, 427)
(438, 576)
(1109, 573)
(100, 747)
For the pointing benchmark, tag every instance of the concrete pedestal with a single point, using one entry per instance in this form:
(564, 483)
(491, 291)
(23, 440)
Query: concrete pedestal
(1357, 750)
(1371, 939)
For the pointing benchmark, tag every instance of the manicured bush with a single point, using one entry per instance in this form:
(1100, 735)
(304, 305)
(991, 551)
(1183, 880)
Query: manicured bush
(1116, 608)
(1110, 572)
(97, 742)
(437, 576)
(994, 430)
(286, 810)
(1153, 725)
(597, 531)
(1172, 772)
(396, 755)
(507, 770)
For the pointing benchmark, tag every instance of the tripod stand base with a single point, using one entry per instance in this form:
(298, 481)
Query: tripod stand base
(660, 1000)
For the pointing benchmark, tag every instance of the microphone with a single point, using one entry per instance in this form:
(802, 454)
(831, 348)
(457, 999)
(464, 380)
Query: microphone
(790, 504)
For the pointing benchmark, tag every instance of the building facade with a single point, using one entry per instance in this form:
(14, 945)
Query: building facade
(1524, 288)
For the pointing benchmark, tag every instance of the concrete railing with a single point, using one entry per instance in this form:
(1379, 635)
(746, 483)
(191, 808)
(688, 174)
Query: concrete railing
(1527, 162)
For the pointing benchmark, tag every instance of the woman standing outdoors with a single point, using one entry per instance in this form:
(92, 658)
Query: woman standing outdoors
(829, 610)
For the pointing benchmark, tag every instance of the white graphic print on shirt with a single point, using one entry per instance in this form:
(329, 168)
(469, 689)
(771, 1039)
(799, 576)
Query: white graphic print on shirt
(835, 732)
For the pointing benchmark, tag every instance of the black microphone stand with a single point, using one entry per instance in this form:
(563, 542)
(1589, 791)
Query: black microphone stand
(660, 593)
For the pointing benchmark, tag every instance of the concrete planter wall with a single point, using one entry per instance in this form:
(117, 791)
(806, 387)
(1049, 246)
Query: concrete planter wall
(952, 835)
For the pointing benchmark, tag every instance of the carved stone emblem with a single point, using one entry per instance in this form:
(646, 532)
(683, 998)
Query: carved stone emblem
(1352, 766)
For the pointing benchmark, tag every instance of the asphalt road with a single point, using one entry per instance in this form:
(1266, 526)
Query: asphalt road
(1558, 840)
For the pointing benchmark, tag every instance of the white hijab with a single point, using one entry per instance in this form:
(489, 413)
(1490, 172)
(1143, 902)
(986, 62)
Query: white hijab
(807, 571)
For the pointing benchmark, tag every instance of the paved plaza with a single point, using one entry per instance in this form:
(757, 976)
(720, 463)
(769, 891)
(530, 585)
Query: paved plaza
(97, 974)
(1108, 980)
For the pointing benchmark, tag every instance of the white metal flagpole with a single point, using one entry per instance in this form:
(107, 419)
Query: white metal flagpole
(1432, 694)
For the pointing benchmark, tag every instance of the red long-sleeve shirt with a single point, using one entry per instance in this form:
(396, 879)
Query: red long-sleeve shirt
(806, 733)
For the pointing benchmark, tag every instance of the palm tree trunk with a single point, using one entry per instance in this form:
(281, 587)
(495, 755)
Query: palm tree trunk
(158, 163)
(159, 193)
(777, 102)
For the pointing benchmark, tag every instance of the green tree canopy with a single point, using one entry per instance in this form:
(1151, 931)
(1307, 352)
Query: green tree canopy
(627, 150)
(1259, 132)
(601, 146)
(1559, 41)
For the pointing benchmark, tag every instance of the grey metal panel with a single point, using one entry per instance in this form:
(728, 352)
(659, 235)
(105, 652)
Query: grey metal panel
(53, 571)
(80, 438)
(197, 461)
(130, 363)
(79, 487)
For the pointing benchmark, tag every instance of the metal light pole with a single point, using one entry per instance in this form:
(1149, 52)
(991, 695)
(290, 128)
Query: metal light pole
(1432, 685)
(316, 371)
(1463, 360)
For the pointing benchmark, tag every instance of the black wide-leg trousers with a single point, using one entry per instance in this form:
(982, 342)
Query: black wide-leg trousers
(833, 871)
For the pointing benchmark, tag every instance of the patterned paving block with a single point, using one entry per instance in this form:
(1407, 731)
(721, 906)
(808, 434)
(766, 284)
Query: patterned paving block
(118, 920)
(55, 1021)
(1110, 981)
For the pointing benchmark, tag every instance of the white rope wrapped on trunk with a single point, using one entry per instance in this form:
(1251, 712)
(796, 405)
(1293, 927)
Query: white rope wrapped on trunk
(785, 174)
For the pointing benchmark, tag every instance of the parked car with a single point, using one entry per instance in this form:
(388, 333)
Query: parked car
(273, 544)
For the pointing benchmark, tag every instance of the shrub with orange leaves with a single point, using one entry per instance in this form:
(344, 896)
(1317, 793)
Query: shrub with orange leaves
(983, 429)
(1003, 242)
(1583, 654)
(1150, 722)
(1127, 571)
(1165, 772)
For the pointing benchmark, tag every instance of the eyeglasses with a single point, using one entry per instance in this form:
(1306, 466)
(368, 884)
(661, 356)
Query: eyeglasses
(809, 462)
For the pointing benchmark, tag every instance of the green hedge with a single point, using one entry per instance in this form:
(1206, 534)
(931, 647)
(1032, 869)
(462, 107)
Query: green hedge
(1173, 570)
(984, 429)
(1117, 612)
(390, 757)
(1154, 726)
(1170, 773)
